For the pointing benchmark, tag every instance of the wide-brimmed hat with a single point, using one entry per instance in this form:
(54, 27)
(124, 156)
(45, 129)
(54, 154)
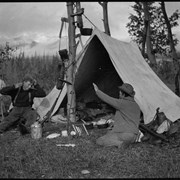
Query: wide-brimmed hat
(127, 88)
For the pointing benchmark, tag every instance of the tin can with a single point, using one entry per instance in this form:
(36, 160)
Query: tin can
(36, 130)
(64, 133)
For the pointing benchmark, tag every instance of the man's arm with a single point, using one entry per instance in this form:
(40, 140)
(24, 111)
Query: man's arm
(8, 90)
(38, 91)
(106, 98)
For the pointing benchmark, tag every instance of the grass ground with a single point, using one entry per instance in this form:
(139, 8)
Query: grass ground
(24, 157)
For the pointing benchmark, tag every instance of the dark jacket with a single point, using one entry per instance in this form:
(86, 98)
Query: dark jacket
(21, 98)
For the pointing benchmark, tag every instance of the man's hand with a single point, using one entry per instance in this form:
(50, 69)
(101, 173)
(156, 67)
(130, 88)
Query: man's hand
(34, 82)
(17, 85)
(95, 87)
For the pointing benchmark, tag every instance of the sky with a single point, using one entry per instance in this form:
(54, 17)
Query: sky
(34, 26)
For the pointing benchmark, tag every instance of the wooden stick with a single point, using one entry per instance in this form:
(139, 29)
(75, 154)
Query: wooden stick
(143, 127)
(85, 129)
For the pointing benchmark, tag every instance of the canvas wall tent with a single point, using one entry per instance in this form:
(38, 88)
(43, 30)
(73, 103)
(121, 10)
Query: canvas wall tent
(108, 62)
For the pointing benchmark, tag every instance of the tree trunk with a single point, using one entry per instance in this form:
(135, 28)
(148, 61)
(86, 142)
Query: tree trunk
(151, 55)
(144, 37)
(105, 17)
(71, 104)
(173, 50)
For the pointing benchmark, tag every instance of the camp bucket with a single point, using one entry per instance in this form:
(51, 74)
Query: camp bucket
(63, 54)
(86, 31)
(36, 130)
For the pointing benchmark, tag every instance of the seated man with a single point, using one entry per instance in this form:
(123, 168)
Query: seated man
(22, 95)
(126, 119)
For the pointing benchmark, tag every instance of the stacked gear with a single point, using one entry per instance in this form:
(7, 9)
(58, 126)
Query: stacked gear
(160, 129)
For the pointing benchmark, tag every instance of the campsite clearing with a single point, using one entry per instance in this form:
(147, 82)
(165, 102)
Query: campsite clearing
(23, 157)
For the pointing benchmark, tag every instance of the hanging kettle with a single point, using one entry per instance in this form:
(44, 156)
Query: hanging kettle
(86, 31)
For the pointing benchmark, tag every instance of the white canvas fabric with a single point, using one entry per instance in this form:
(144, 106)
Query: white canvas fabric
(43, 105)
(131, 67)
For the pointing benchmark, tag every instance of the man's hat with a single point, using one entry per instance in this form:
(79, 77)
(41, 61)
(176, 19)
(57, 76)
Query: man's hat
(127, 88)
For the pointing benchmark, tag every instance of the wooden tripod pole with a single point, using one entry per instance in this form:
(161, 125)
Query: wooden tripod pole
(71, 104)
